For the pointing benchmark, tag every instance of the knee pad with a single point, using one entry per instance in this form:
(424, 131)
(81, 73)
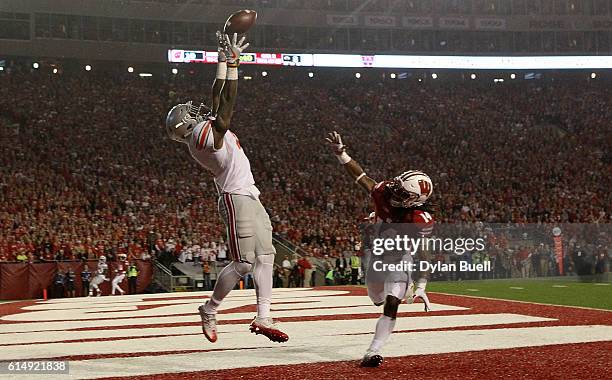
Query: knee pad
(241, 268)
(391, 305)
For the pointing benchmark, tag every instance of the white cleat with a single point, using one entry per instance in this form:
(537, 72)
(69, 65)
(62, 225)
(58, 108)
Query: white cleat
(209, 324)
(267, 327)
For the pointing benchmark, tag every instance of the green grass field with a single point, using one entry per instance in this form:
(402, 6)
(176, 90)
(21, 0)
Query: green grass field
(558, 292)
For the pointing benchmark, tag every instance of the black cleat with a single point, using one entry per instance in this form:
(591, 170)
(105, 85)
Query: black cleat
(371, 360)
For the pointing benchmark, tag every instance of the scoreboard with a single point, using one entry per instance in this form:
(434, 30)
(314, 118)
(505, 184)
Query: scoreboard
(273, 59)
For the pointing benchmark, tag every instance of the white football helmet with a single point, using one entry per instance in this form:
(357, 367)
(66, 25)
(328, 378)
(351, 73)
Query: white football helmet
(182, 119)
(102, 259)
(411, 189)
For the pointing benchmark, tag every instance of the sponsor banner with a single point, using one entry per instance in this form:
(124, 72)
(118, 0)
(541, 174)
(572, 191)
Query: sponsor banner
(550, 24)
(454, 23)
(417, 22)
(380, 21)
(337, 20)
(490, 24)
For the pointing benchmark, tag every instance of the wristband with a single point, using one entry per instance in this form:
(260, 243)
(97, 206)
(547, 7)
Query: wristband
(360, 177)
(343, 158)
(232, 73)
(221, 70)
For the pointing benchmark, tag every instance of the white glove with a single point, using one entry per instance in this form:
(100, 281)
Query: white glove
(233, 49)
(335, 140)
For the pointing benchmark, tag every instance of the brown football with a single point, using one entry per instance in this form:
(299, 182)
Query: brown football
(240, 22)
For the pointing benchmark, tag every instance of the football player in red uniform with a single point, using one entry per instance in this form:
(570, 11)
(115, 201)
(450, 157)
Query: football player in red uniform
(402, 199)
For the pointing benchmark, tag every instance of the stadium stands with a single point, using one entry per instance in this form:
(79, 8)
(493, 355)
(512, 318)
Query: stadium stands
(87, 168)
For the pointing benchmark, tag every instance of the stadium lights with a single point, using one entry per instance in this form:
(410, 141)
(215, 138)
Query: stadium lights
(264, 73)
(175, 71)
(35, 65)
(1, 68)
(473, 76)
(357, 75)
(420, 80)
(512, 76)
(130, 69)
(310, 75)
(55, 71)
(87, 67)
(593, 75)
(498, 80)
(246, 77)
(393, 76)
(145, 75)
(434, 76)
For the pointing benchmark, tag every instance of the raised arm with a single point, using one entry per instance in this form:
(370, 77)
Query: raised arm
(227, 90)
(351, 166)
(221, 73)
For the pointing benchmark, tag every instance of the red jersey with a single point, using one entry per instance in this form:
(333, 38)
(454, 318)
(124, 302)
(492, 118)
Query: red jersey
(381, 196)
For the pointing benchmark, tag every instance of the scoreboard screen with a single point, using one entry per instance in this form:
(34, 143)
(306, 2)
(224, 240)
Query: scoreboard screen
(273, 59)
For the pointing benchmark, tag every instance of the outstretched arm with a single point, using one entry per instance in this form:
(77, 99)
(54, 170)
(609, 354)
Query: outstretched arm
(221, 73)
(225, 93)
(352, 167)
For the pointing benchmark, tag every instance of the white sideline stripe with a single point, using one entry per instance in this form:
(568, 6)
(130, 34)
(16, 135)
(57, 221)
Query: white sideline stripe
(350, 347)
(527, 302)
(343, 326)
(516, 287)
(559, 286)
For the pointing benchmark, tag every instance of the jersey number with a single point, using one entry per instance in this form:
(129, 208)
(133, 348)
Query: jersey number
(426, 217)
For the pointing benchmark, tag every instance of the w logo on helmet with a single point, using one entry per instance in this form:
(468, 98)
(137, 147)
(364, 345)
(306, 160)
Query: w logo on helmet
(425, 187)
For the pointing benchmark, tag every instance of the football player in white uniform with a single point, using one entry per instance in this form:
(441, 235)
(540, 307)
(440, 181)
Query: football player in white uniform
(99, 277)
(217, 149)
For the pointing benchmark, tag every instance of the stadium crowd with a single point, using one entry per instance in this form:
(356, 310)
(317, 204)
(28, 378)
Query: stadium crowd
(87, 169)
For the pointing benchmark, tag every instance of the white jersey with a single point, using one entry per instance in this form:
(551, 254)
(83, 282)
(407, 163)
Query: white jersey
(229, 165)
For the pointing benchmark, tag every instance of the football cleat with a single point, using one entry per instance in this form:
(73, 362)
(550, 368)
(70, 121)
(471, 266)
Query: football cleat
(209, 324)
(267, 327)
(371, 359)
(410, 293)
(420, 293)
